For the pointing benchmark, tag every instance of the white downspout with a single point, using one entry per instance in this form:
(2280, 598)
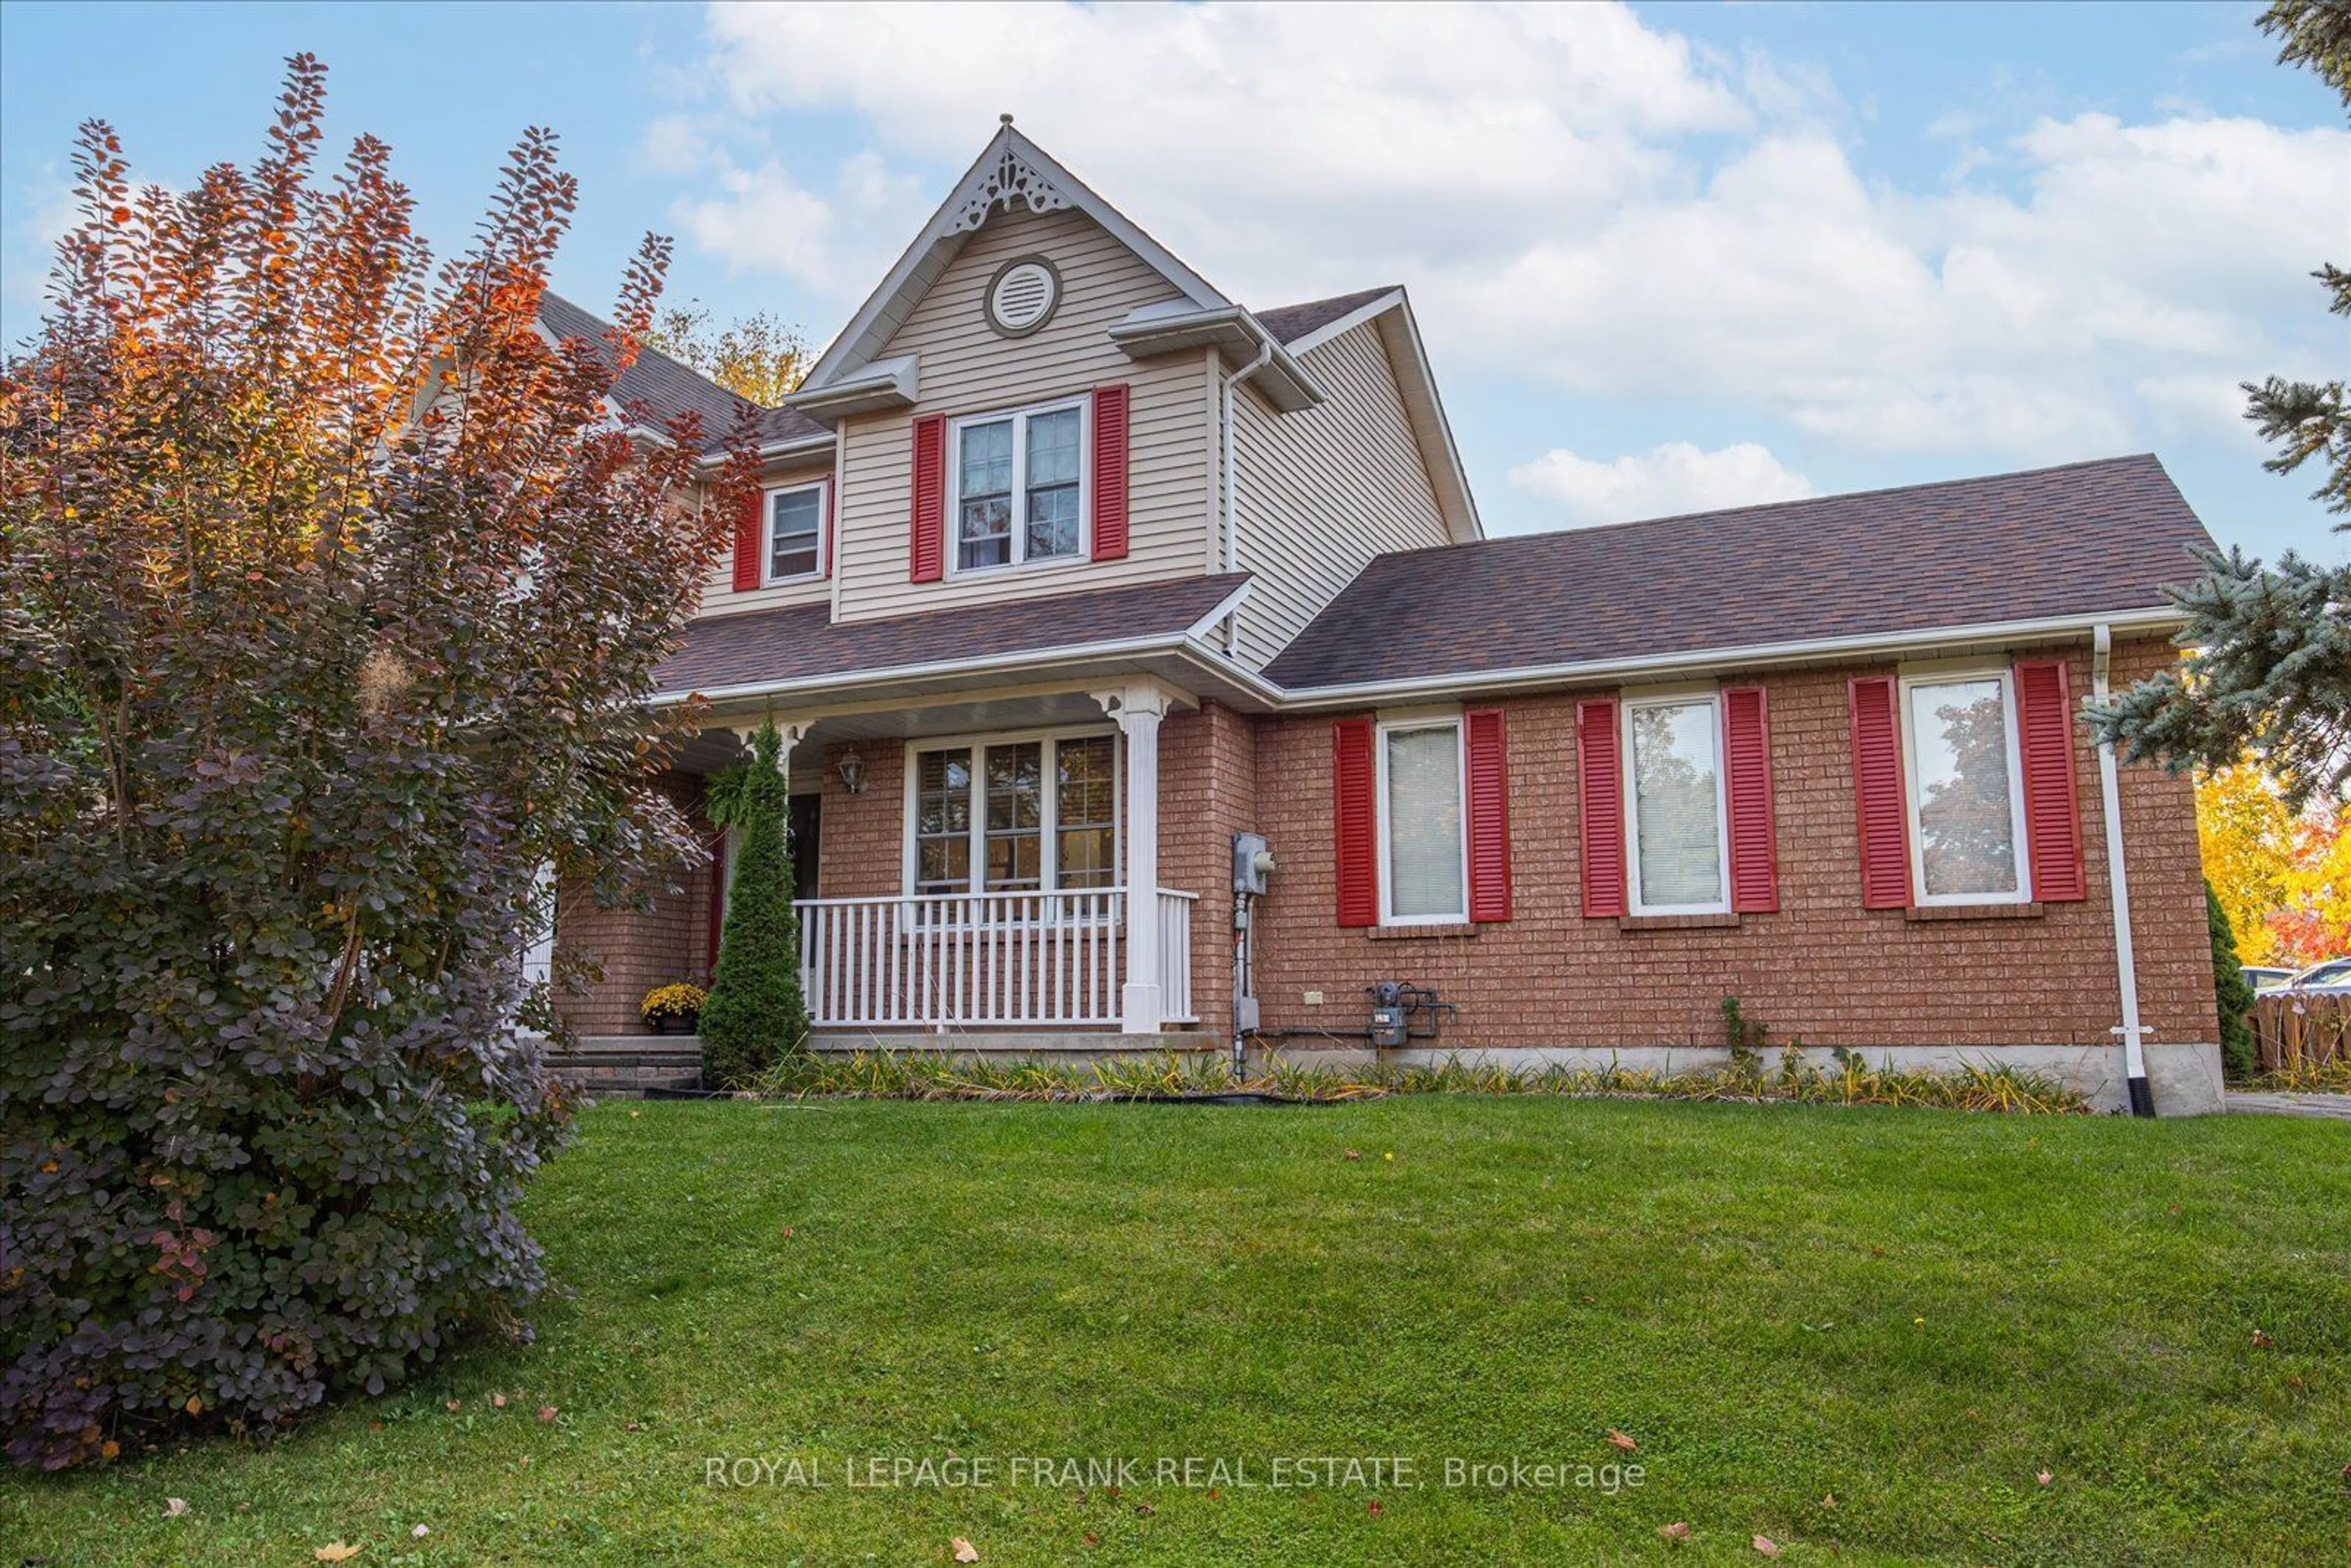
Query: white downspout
(1232, 518)
(2142, 1099)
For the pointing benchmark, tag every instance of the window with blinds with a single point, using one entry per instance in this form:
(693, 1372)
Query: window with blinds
(1425, 877)
(1016, 815)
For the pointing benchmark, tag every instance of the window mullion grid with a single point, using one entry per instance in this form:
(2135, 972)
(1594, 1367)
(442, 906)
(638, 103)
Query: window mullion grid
(1017, 552)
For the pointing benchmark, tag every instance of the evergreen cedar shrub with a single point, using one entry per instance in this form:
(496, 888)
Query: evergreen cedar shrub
(756, 1013)
(2231, 990)
(299, 688)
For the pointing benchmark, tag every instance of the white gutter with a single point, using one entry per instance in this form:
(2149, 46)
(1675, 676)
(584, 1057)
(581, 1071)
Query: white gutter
(2142, 1099)
(1698, 660)
(1232, 528)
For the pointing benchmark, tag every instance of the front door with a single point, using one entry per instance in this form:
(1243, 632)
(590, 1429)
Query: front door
(807, 815)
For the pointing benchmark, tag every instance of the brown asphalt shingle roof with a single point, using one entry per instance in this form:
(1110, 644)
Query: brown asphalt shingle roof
(671, 388)
(2088, 537)
(1289, 323)
(796, 643)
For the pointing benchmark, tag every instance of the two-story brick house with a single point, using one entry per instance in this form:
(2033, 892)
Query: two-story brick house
(1069, 568)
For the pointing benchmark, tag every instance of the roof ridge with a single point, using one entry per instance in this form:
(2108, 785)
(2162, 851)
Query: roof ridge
(1755, 507)
(645, 349)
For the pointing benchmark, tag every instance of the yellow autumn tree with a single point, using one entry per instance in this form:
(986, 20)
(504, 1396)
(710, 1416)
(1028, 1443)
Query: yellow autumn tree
(2246, 836)
(2282, 877)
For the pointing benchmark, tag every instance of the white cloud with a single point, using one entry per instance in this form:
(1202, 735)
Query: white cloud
(838, 244)
(1667, 481)
(1576, 196)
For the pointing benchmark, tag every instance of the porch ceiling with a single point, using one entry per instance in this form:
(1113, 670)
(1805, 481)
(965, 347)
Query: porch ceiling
(719, 748)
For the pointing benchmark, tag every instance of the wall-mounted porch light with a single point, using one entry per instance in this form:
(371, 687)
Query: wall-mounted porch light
(853, 772)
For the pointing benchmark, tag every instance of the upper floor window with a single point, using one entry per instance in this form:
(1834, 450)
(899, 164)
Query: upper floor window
(1673, 776)
(1019, 486)
(1966, 788)
(1426, 875)
(795, 528)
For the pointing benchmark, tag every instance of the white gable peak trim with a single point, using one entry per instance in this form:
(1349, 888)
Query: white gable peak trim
(1011, 170)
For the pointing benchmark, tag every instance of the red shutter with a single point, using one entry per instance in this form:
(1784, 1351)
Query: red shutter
(1879, 809)
(1110, 473)
(747, 541)
(1354, 819)
(1747, 780)
(1488, 765)
(2053, 813)
(926, 549)
(1601, 798)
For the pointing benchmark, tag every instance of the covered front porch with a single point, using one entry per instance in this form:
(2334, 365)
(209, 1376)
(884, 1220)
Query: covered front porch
(995, 867)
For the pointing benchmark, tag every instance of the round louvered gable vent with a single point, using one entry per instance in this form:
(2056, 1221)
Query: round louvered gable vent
(1021, 295)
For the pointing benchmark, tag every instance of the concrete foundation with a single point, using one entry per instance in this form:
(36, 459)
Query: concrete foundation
(2185, 1079)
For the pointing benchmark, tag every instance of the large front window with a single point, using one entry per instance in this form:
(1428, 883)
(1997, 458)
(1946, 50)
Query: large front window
(1674, 779)
(1966, 790)
(1426, 875)
(1016, 816)
(1020, 488)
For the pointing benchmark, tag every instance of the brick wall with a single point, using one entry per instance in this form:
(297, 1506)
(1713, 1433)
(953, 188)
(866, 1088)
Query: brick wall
(862, 852)
(636, 949)
(1208, 792)
(1822, 968)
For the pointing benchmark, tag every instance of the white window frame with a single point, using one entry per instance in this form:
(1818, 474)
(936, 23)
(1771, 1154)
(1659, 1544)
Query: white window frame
(1048, 809)
(1018, 542)
(768, 494)
(1626, 707)
(1904, 684)
(1386, 873)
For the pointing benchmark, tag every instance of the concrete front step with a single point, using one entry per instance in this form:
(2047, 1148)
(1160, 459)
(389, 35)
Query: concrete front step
(621, 1066)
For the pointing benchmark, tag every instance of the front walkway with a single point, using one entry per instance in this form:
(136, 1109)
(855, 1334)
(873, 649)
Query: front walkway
(2332, 1107)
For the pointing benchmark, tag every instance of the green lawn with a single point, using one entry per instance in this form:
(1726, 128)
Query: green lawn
(1912, 1311)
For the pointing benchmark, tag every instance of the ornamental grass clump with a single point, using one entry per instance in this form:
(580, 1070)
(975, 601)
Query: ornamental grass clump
(330, 592)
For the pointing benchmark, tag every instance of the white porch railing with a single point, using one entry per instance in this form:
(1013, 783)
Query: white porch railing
(986, 959)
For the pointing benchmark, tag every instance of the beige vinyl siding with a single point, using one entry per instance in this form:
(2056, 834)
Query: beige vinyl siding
(966, 369)
(1324, 490)
(718, 595)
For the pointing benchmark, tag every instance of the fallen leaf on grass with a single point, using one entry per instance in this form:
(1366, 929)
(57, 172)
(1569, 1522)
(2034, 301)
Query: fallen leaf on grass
(1145, 1510)
(1092, 1539)
(173, 1507)
(420, 1531)
(547, 1413)
(108, 1448)
(1677, 1531)
(633, 1426)
(1766, 1545)
(964, 1552)
(336, 1551)
(1828, 1500)
(2262, 1341)
(2043, 1477)
(453, 1406)
(499, 1400)
(1621, 1440)
(1355, 1153)
(2294, 1381)
(1372, 1508)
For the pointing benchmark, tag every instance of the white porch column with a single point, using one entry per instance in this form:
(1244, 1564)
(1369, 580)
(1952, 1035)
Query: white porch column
(1138, 709)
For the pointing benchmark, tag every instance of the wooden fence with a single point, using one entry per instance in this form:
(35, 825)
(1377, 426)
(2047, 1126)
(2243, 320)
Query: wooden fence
(2296, 1031)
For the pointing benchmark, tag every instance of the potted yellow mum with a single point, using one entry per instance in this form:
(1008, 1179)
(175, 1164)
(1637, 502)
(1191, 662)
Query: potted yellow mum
(673, 1010)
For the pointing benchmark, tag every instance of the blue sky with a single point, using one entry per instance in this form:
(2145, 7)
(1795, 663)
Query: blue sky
(1667, 258)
